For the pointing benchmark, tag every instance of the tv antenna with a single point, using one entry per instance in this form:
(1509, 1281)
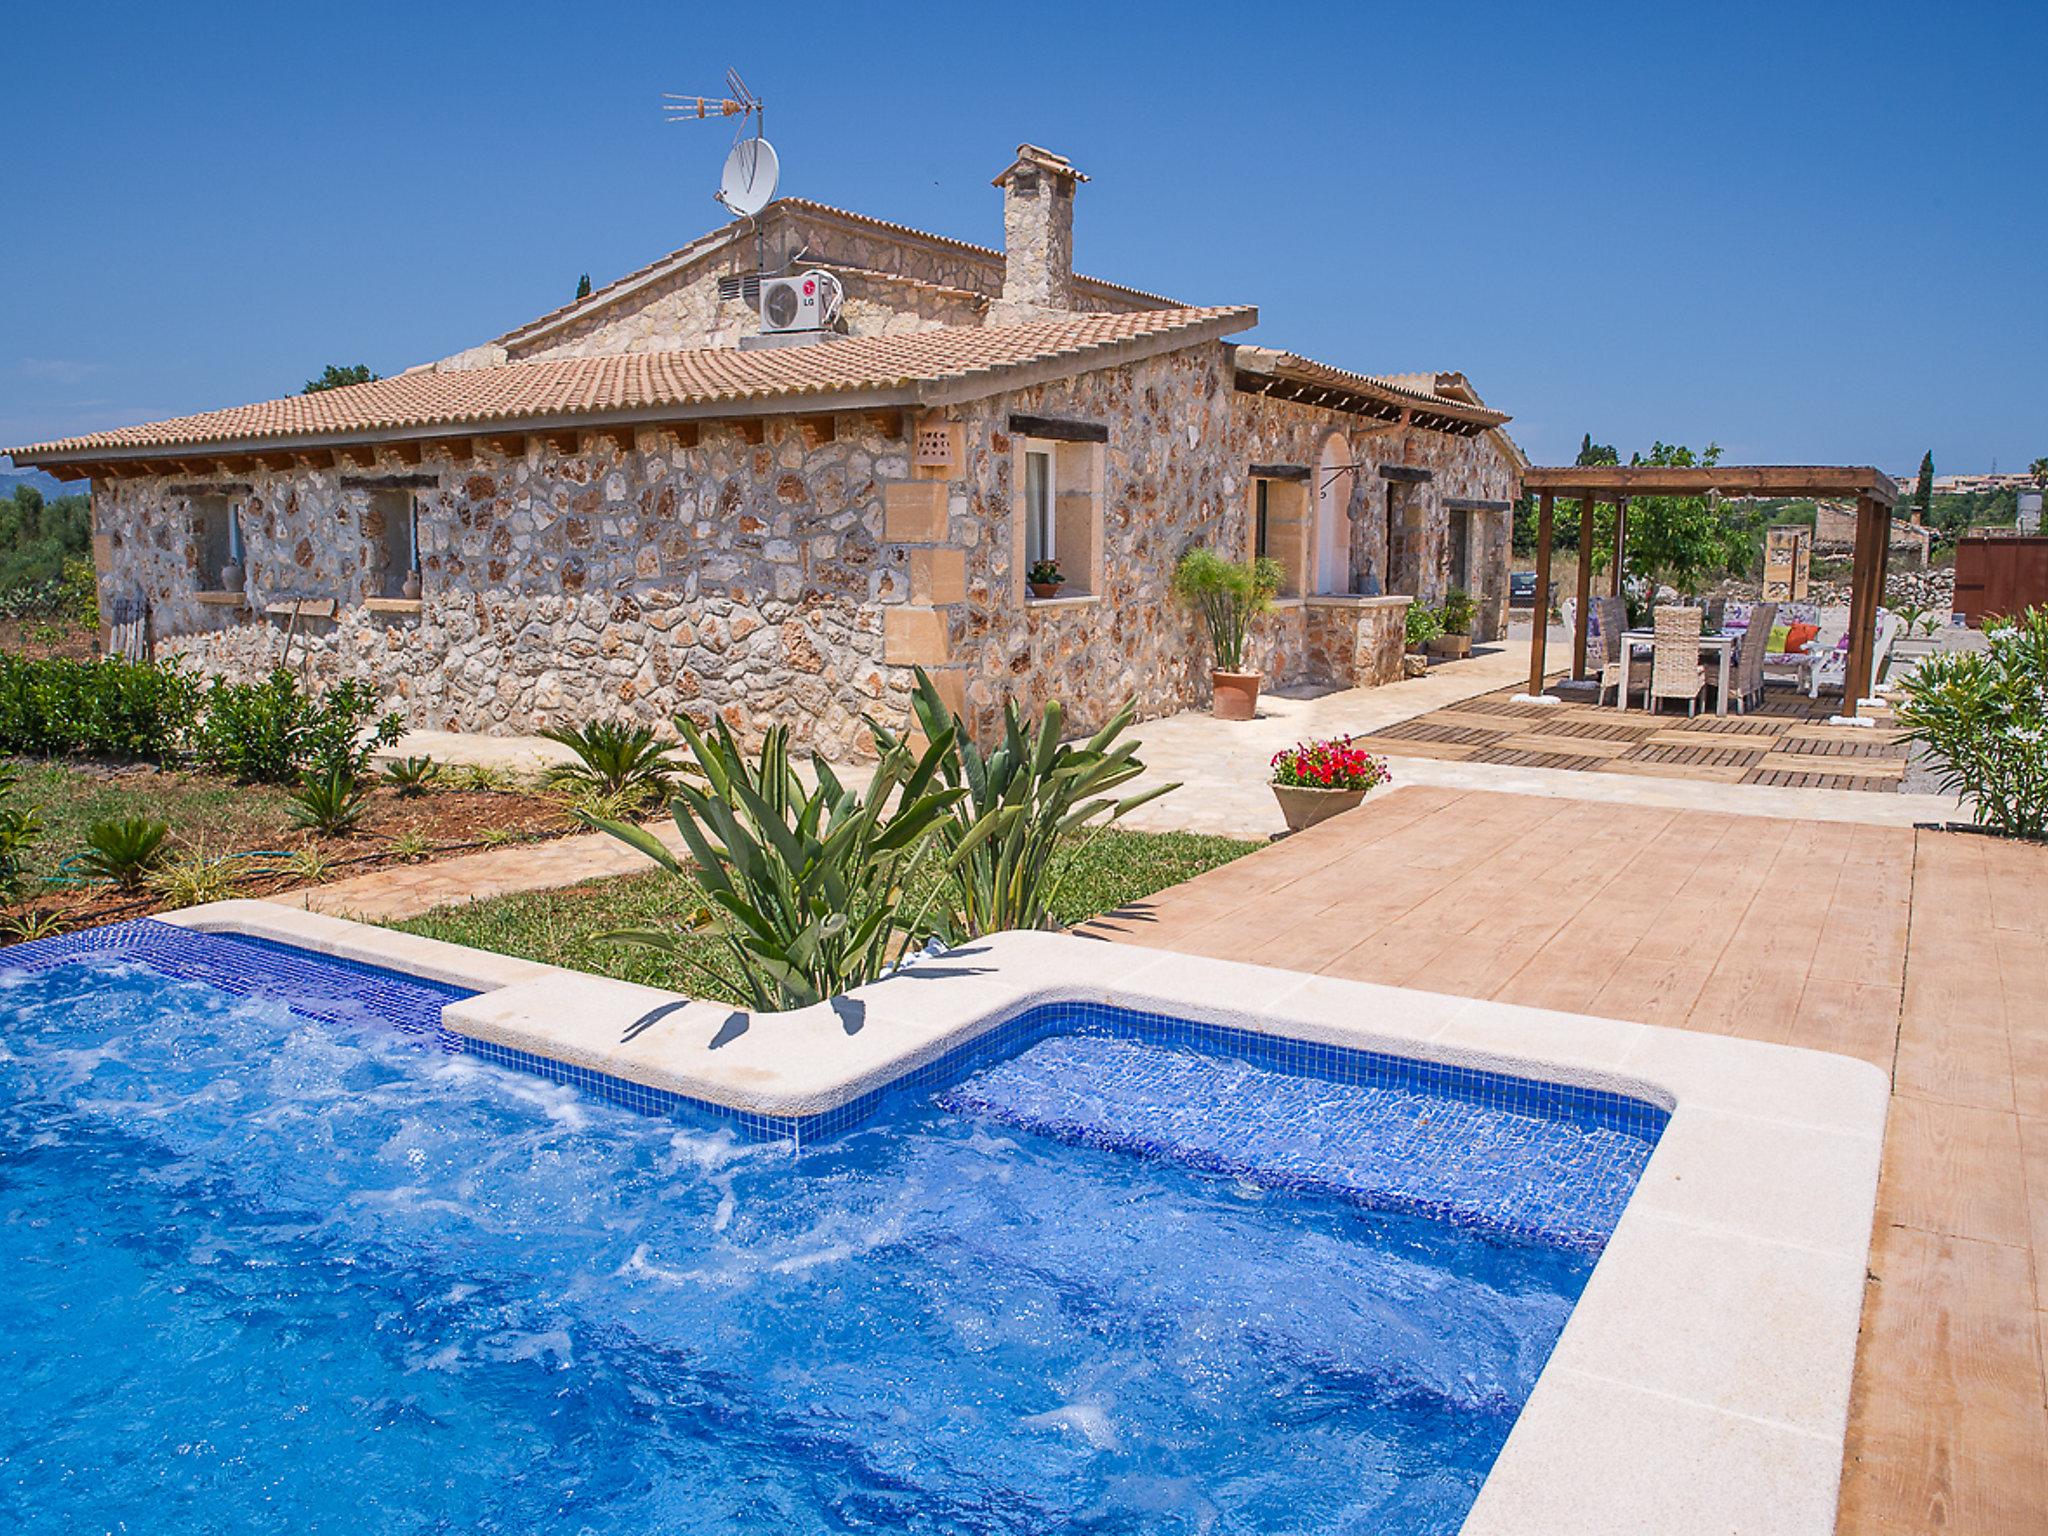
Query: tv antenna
(747, 185)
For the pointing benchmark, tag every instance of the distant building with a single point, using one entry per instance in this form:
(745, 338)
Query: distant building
(1834, 524)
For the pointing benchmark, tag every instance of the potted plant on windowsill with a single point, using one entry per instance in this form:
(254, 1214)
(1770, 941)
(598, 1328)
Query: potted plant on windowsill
(1456, 617)
(1045, 579)
(1315, 780)
(1228, 594)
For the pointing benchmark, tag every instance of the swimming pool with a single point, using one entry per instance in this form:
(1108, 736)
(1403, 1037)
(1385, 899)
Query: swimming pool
(288, 1270)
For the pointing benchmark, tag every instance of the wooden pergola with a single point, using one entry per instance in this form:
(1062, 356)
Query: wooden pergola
(1588, 484)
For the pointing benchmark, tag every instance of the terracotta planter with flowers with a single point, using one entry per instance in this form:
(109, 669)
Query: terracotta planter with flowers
(1316, 780)
(1045, 578)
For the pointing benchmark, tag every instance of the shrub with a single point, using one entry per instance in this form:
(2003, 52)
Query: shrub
(1228, 595)
(272, 732)
(1458, 612)
(1332, 764)
(78, 593)
(134, 711)
(124, 850)
(329, 800)
(22, 927)
(614, 759)
(804, 886)
(1024, 801)
(18, 828)
(1424, 623)
(412, 776)
(1984, 717)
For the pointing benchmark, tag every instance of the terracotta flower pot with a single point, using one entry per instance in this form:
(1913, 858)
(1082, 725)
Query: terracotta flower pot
(1304, 806)
(1045, 589)
(1234, 695)
(1451, 645)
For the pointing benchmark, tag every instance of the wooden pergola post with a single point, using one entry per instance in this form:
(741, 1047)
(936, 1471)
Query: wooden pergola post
(1539, 636)
(1866, 595)
(1585, 592)
(1620, 544)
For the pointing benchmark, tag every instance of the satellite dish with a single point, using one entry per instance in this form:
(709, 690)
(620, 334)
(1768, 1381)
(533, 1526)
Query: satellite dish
(751, 171)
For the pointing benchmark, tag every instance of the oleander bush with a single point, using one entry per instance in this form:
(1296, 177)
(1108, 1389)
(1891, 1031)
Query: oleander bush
(135, 711)
(274, 732)
(1983, 715)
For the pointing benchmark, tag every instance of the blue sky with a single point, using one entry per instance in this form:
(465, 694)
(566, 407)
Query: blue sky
(1810, 232)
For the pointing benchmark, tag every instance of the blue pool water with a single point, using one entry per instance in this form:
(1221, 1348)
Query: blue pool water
(276, 1270)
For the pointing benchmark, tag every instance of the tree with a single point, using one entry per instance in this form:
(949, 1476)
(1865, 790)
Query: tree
(340, 378)
(1923, 489)
(2039, 470)
(1591, 452)
(583, 286)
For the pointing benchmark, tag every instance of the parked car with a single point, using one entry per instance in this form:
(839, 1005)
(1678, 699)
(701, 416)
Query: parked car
(1521, 589)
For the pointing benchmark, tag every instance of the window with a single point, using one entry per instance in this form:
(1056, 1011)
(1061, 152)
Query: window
(1058, 511)
(219, 533)
(392, 526)
(1261, 543)
(1041, 534)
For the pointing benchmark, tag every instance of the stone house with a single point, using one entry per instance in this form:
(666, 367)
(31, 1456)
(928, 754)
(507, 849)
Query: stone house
(641, 504)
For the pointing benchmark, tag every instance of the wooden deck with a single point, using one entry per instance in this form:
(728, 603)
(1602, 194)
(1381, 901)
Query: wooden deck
(1926, 953)
(1784, 741)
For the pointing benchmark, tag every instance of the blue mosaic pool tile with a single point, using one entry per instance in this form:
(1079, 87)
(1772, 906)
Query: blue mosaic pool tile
(318, 986)
(1581, 1147)
(1386, 1145)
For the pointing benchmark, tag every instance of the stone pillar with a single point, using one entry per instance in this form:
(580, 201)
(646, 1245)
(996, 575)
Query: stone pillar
(1038, 236)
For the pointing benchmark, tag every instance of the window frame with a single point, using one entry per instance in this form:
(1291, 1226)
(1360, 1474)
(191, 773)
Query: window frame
(1041, 523)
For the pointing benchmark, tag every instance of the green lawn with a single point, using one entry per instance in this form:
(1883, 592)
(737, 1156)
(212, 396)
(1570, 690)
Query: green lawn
(203, 809)
(561, 927)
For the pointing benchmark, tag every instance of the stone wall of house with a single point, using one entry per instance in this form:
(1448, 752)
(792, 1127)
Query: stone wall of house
(1181, 439)
(741, 578)
(768, 581)
(894, 284)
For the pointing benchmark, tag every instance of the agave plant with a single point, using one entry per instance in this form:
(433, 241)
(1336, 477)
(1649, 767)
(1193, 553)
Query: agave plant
(124, 850)
(37, 923)
(804, 886)
(1023, 801)
(412, 776)
(613, 758)
(330, 801)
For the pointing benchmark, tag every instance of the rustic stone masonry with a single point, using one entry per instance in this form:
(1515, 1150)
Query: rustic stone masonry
(791, 570)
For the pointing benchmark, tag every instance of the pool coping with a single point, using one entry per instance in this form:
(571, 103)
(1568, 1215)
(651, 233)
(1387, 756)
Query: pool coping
(1702, 1381)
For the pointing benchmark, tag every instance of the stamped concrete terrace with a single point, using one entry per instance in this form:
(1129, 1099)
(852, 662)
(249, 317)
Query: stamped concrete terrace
(1925, 953)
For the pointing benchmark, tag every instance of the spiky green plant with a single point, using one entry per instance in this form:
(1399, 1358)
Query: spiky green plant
(330, 801)
(124, 849)
(411, 847)
(412, 776)
(19, 825)
(1024, 800)
(805, 887)
(196, 878)
(615, 758)
(37, 923)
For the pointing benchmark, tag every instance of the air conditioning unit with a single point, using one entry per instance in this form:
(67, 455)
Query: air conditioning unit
(806, 301)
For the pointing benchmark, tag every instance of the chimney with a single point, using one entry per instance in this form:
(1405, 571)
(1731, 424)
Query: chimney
(1038, 236)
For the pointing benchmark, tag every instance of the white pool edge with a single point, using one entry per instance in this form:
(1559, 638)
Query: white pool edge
(1702, 1383)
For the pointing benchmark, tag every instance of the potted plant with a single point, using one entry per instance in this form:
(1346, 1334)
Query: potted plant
(1456, 617)
(1045, 579)
(1228, 594)
(1424, 625)
(1314, 780)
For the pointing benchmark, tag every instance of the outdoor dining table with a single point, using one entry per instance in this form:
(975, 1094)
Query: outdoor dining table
(1718, 642)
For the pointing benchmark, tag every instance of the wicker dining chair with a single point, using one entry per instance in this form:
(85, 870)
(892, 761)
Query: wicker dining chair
(1675, 670)
(1748, 687)
(1617, 670)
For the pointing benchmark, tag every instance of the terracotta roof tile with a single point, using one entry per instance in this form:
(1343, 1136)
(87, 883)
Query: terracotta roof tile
(564, 389)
